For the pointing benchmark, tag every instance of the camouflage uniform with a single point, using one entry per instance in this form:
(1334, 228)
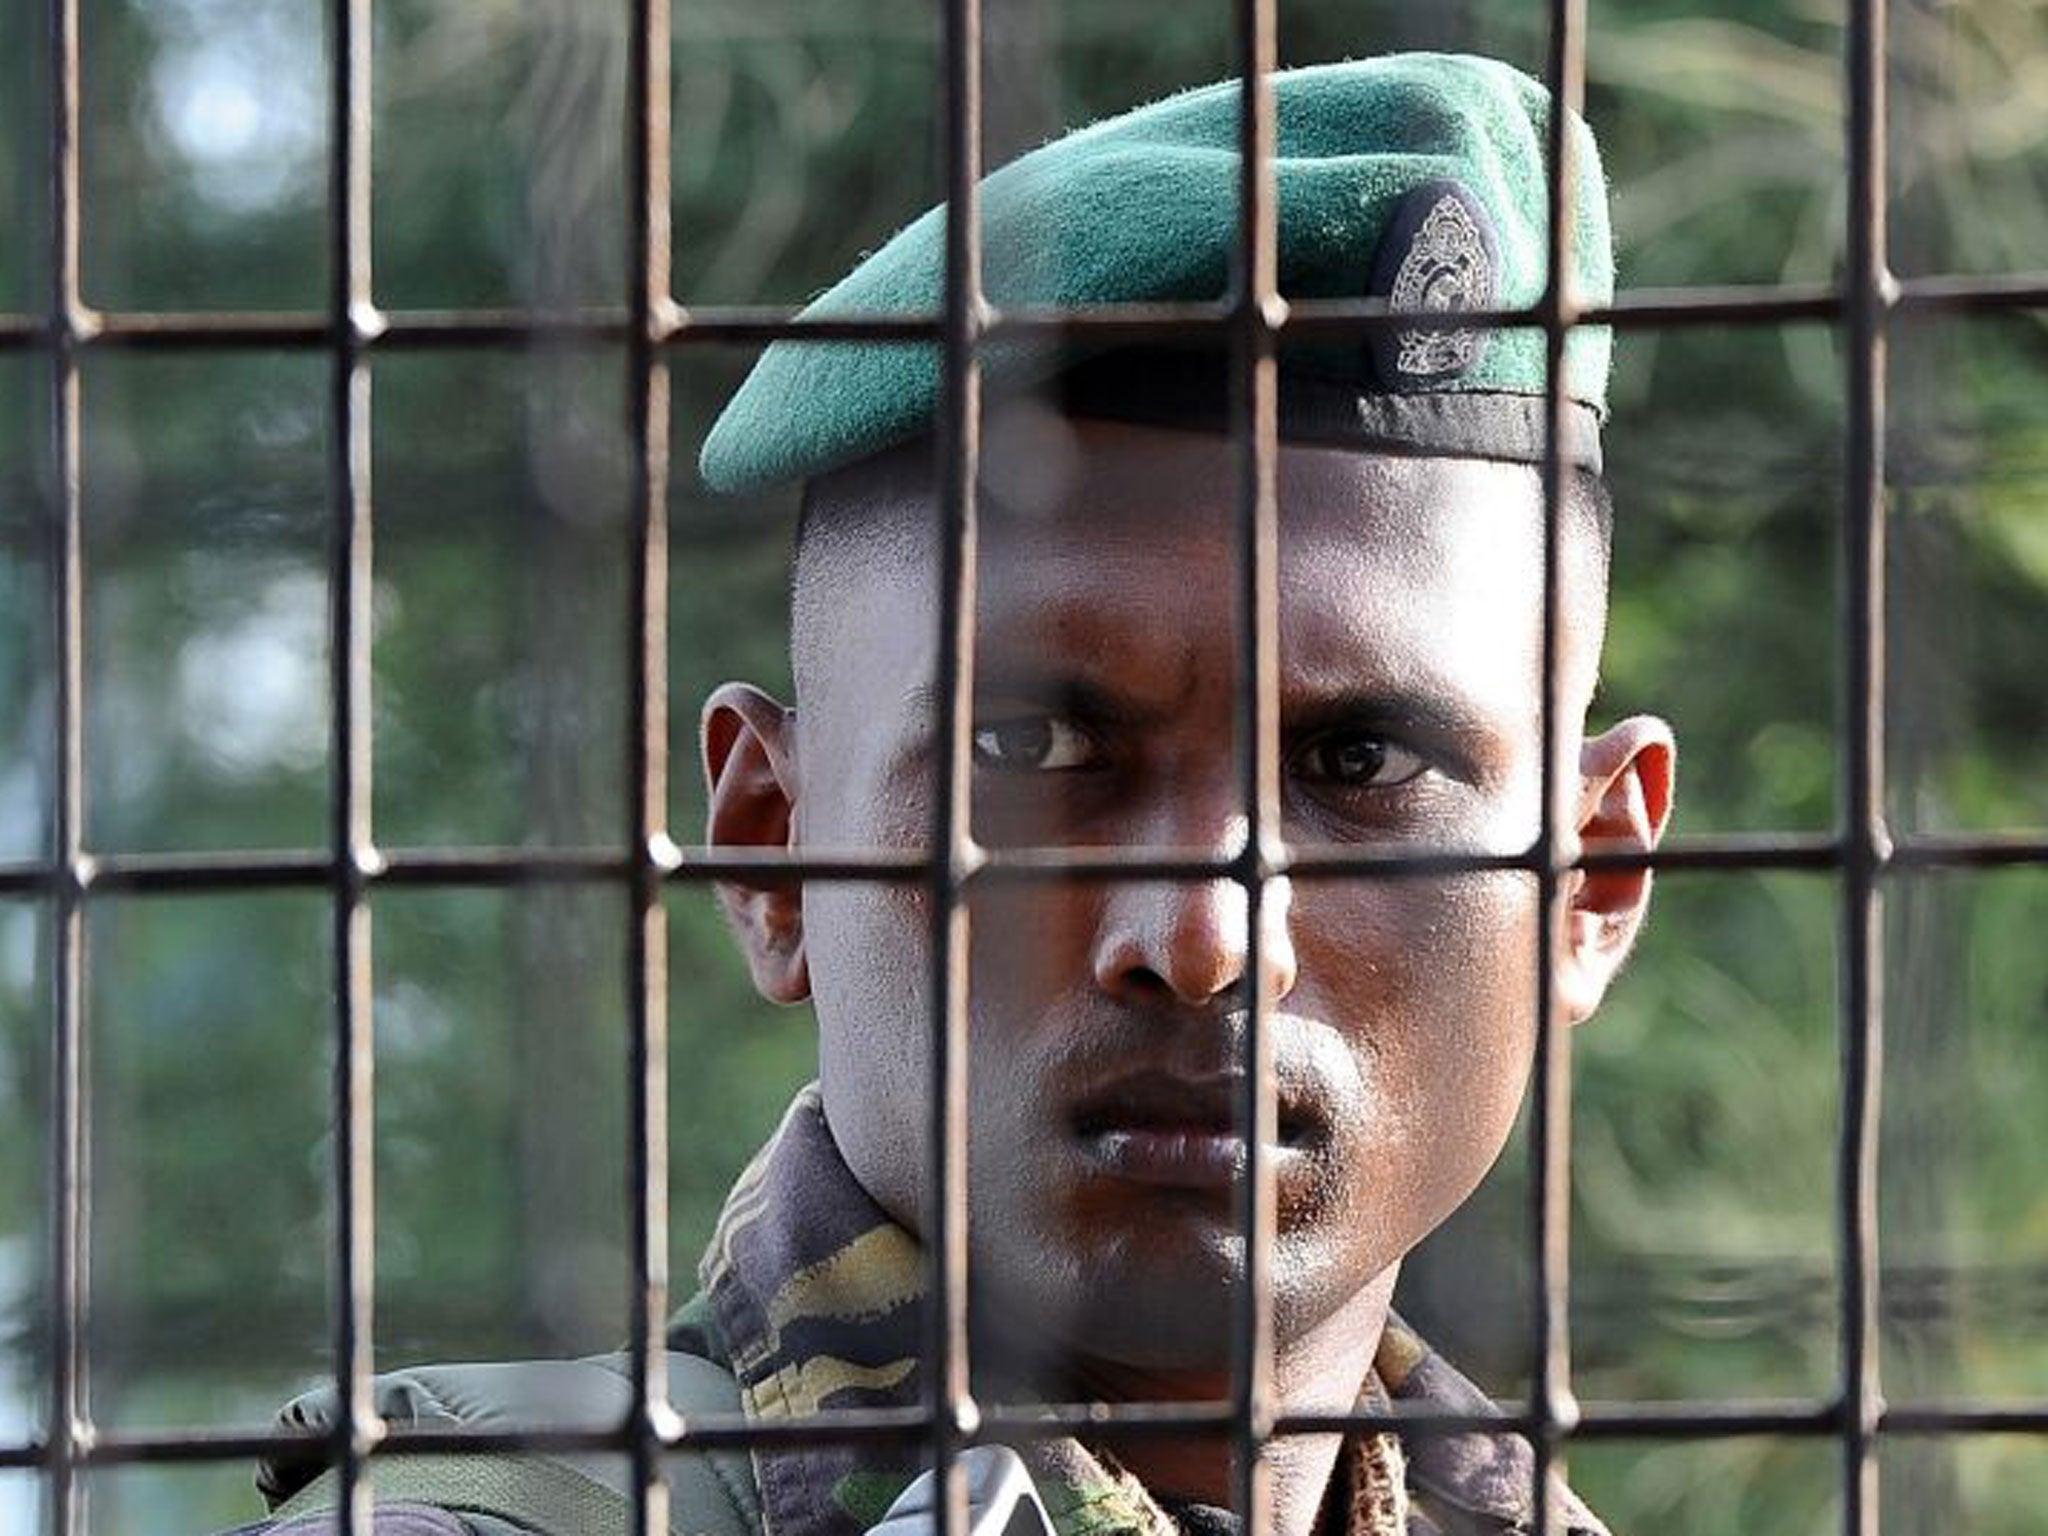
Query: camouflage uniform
(811, 1299)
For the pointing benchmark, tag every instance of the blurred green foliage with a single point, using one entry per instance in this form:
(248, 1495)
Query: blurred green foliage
(1706, 1116)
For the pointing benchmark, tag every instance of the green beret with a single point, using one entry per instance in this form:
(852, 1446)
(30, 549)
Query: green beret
(1417, 178)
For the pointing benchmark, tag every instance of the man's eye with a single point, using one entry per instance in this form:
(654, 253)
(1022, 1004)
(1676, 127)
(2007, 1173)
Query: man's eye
(1033, 744)
(1359, 760)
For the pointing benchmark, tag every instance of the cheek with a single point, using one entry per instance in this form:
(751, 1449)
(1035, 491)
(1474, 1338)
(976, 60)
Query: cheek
(1030, 980)
(868, 945)
(869, 949)
(1433, 981)
(870, 954)
(1030, 942)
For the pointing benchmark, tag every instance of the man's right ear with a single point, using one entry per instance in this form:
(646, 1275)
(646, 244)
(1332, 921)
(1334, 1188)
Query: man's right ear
(749, 744)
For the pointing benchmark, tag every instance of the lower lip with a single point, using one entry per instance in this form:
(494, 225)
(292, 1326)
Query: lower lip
(1174, 1158)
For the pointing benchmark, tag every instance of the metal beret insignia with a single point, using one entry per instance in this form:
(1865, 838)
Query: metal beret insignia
(1438, 254)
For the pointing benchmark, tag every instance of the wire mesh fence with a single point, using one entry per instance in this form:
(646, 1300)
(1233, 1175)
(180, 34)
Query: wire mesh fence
(653, 332)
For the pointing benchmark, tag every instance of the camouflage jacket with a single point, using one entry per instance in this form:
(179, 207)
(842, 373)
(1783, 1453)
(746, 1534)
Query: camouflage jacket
(810, 1300)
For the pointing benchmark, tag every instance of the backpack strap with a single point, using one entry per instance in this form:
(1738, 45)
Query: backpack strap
(533, 1493)
(711, 1493)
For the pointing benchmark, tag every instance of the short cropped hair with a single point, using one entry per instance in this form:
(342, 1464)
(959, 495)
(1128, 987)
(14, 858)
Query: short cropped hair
(1587, 501)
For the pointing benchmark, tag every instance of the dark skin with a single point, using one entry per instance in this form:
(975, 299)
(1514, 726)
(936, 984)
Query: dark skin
(1107, 1019)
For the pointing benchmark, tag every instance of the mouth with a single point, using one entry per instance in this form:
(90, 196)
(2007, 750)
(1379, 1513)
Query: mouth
(1180, 1133)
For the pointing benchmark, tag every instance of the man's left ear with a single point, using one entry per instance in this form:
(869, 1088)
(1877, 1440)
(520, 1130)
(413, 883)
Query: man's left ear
(1625, 780)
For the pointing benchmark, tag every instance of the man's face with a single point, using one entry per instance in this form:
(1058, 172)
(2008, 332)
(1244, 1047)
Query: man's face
(1108, 1018)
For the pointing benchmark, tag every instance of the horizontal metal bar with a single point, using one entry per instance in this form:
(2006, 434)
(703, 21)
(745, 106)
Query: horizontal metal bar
(304, 329)
(502, 867)
(1711, 1419)
(1601, 1421)
(394, 330)
(206, 1445)
(1641, 309)
(1705, 1419)
(1024, 1422)
(1134, 323)
(1729, 851)
(204, 873)
(184, 1447)
(429, 330)
(212, 873)
(1019, 1424)
(1971, 294)
(515, 866)
(2024, 1418)
(142, 873)
(754, 325)
(1967, 851)
(1740, 851)
(85, 329)
(1645, 308)
(499, 327)
(676, 325)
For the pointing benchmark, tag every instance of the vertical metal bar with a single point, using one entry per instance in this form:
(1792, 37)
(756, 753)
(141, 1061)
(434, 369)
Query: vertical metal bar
(1550, 1119)
(1866, 840)
(1258, 314)
(647, 108)
(953, 853)
(350, 575)
(69, 1106)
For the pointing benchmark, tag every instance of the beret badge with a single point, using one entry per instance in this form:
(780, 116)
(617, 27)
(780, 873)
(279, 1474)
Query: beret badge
(1438, 255)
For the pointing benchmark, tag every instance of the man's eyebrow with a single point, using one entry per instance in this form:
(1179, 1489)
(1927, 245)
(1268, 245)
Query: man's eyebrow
(1066, 691)
(1047, 689)
(1438, 715)
(1412, 709)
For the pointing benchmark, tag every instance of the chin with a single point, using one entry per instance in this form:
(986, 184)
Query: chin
(1156, 1296)
(1148, 1295)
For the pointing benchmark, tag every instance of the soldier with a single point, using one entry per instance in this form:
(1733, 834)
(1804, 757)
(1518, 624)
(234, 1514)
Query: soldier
(1107, 1018)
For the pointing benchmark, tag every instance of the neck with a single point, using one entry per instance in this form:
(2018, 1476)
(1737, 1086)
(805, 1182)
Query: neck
(1320, 1370)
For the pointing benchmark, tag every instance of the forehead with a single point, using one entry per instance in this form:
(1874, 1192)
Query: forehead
(1050, 483)
(1122, 541)
(1111, 539)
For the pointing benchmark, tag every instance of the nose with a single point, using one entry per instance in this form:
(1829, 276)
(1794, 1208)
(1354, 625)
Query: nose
(1188, 941)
